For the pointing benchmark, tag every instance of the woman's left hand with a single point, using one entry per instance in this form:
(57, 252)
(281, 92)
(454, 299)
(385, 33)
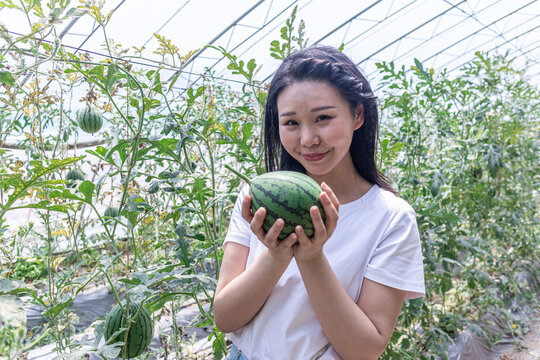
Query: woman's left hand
(306, 248)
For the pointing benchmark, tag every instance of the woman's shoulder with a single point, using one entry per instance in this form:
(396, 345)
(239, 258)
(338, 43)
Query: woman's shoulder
(388, 201)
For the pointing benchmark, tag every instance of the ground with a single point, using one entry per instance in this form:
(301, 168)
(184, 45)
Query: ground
(529, 347)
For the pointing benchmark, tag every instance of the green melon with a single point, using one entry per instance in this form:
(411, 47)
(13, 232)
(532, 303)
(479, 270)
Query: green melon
(89, 119)
(111, 211)
(73, 176)
(139, 333)
(288, 195)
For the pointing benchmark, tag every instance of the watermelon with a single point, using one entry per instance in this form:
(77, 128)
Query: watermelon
(89, 119)
(73, 176)
(288, 195)
(111, 211)
(140, 329)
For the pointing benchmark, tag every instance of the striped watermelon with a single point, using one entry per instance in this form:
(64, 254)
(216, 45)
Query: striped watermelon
(73, 176)
(111, 211)
(140, 329)
(288, 195)
(89, 119)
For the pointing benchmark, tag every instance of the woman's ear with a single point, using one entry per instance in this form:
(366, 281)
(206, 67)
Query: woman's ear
(359, 116)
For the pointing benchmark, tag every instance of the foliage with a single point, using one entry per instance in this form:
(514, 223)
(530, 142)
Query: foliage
(462, 150)
(29, 269)
(466, 150)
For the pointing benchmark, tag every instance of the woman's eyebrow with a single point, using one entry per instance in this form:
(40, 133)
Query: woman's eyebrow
(318, 108)
(325, 107)
(288, 113)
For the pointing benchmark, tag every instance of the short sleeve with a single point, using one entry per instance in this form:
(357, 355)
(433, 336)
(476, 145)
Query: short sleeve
(239, 230)
(397, 260)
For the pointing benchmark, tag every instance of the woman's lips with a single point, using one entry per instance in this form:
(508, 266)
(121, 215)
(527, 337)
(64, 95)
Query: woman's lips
(314, 157)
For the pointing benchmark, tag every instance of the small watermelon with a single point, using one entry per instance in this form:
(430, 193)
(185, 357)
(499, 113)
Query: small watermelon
(89, 119)
(140, 329)
(73, 176)
(111, 211)
(288, 195)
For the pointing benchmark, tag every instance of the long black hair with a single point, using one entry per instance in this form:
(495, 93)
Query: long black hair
(327, 64)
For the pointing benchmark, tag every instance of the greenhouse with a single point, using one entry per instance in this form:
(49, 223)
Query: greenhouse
(129, 130)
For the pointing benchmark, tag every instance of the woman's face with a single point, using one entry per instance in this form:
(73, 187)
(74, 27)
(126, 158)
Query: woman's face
(316, 126)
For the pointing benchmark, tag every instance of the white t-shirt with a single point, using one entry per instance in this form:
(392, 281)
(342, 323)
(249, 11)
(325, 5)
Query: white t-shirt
(376, 238)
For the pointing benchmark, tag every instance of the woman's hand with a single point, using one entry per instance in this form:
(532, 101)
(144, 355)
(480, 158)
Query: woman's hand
(308, 249)
(279, 249)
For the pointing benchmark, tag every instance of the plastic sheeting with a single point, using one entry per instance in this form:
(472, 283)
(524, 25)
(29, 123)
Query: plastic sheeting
(94, 304)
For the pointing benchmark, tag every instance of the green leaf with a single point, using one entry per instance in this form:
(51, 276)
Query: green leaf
(97, 70)
(44, 204)
(157, 84)
(75, 12)
(137, 203)
(57, 309)
(9, 4)
(64, 194)
(180, 231)
(419, 65)
(7, 78)
(37, 170)
(87, 189)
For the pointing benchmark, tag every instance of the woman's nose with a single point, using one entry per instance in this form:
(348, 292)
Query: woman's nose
(309, 138)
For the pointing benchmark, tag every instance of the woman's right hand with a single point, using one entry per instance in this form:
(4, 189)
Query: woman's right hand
(279, 249)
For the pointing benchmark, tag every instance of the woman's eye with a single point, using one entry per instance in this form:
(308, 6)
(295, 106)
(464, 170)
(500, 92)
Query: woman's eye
(323, 117)
(290, 123)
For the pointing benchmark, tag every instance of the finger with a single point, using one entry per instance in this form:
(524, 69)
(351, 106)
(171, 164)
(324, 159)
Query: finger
(257, 223)
(330, 210)
(318, 223)
(303, 239)
(274, 231)
(331, 214)
(331, 194)
(246, 209)
(289, 241)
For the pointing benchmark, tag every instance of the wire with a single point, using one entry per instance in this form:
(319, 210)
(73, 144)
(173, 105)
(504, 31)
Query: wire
(166, 22)
(154, 66)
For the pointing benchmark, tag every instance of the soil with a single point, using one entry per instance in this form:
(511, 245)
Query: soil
(529, 347)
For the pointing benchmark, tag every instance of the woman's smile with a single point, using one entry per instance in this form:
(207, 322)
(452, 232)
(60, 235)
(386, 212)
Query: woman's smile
(315, 156)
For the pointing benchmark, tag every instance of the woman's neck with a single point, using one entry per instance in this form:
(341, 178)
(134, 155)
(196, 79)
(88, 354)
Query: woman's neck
(348, 186)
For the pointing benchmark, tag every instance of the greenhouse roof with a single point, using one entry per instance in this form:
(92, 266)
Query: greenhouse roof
(439, 33)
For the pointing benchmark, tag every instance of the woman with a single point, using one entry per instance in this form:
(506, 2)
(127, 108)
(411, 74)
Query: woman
(338, 294)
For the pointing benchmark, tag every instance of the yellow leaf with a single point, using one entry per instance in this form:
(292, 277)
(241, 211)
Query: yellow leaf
(59, 232)
(57, 262)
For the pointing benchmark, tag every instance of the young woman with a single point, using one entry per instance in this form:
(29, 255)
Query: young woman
(338, 294)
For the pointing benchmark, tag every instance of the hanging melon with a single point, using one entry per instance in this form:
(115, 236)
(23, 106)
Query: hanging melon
(90, 119)
(111, 211)
(74, 176)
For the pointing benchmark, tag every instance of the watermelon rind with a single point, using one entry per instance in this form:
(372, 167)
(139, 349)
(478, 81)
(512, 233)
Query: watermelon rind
(288, 195)
(73, 176)
(140, 329)
(89, 119)
(111, 211)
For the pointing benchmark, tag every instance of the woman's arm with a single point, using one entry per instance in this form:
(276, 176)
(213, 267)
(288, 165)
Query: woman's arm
(241, 293)
(359, 330)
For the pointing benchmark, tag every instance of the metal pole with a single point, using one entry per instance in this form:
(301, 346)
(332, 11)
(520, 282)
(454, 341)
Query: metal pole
(214, 39)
